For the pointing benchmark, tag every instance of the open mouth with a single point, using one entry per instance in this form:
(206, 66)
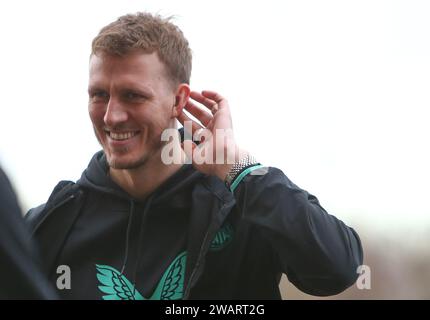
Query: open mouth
(121, 136)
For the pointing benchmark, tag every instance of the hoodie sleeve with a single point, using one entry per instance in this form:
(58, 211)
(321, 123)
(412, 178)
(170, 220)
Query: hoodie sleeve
(318, 252)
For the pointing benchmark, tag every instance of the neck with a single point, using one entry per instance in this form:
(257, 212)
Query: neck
(140, 182)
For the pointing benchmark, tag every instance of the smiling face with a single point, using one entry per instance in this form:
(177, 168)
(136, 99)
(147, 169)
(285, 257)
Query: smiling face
(131, 101)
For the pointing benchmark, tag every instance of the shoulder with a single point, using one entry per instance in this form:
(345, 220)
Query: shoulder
(62, 191)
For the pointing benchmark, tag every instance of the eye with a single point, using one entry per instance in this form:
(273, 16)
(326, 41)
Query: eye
(99, 95)
(133, 96)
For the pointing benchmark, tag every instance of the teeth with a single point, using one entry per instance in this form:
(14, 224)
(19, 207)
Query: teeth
(122, 136)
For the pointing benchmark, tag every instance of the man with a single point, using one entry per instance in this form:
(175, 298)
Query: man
(136, 226)
(20, 274)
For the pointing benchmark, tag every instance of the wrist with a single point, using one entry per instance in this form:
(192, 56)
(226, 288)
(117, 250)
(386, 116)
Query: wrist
(245, 164)
(230, 159)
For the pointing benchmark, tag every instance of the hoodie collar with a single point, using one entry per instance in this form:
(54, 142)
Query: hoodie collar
(96, 177)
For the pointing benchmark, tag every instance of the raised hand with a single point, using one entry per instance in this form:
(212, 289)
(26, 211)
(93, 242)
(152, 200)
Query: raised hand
(217, 150)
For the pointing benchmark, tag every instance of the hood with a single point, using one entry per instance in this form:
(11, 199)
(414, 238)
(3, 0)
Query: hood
(96, 177)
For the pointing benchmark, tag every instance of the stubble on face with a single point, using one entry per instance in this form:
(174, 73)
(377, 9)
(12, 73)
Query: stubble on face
(156, 145)
(151, 143)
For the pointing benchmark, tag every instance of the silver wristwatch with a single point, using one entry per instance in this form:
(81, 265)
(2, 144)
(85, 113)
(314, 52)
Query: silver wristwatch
(238, 167)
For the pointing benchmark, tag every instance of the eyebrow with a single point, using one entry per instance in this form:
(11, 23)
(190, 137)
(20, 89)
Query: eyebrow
(127, 86)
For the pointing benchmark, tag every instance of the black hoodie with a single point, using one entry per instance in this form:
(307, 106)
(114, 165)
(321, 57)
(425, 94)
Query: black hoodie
(117, 233)
(193, 238)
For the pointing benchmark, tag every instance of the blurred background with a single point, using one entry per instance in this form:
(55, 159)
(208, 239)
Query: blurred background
(334, 93)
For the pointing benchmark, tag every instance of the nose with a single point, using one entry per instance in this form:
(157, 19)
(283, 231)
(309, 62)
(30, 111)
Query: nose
(115, 114)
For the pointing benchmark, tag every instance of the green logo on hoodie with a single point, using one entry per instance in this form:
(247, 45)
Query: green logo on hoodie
(118, 287)
(171, 286)
(222, 238)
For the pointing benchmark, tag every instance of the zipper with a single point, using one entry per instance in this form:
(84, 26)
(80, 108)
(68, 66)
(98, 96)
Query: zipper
(196, 267)
(199, 258)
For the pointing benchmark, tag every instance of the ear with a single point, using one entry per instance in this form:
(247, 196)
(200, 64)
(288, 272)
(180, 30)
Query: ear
(181, 98)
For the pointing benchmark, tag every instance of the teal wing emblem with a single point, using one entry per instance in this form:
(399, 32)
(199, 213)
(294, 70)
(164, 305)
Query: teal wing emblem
(222, 237)
(171, 285)
(115, 285)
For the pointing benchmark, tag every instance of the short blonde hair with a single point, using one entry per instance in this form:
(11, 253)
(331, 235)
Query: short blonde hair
(148, 33)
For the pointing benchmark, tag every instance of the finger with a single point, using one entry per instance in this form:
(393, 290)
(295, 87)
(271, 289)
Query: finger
(203, 116)
(215, 96)
(186, 121)
(208, 103)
